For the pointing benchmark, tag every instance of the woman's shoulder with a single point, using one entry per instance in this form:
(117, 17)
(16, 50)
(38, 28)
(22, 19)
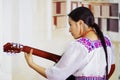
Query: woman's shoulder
(76, 45)
(80, 44)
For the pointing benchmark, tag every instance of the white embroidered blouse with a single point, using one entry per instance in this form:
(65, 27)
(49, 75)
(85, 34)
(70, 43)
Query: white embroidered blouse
(83, 57)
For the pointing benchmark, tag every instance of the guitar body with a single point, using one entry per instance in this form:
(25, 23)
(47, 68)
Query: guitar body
(17, 48)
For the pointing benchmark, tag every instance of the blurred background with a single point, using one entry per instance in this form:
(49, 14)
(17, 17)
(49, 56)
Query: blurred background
(43, 24)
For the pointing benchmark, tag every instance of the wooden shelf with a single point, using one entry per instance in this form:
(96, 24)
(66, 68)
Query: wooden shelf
(106, 13)
(59, 15)
(107, 17)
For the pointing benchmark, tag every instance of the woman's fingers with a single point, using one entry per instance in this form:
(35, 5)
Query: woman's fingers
(31, 51)
(28, 56)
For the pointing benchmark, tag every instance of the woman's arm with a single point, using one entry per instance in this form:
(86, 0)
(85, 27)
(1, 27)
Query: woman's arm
(111, 70)
(37, 68)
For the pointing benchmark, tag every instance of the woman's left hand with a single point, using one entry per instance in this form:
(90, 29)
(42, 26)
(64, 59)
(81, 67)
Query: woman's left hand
(28, 57)
(38, 68)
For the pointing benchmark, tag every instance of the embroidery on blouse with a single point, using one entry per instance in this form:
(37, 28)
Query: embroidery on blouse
(91, 45)
(91, 78)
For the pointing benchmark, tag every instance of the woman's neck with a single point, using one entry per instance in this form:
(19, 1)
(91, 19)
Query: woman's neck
(87, 32)
(90, 34)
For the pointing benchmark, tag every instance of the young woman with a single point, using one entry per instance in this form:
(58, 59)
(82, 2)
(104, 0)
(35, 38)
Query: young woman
(90, 57)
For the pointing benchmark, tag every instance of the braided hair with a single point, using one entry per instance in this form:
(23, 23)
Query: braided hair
(83, 13)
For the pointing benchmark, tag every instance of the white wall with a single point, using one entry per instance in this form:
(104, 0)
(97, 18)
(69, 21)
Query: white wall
(5, 34)
(28, 22)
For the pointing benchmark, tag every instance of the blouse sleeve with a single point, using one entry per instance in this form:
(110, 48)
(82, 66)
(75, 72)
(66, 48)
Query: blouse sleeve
(112, 55)
(111, 52)
(72, 60)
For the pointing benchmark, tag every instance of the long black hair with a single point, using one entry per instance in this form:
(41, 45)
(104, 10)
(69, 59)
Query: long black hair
(85, 14)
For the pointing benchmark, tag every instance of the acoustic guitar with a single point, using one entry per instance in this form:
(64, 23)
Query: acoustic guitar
(17, 48)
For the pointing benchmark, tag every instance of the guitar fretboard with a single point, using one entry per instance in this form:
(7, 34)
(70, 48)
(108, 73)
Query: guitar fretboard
(41, 53)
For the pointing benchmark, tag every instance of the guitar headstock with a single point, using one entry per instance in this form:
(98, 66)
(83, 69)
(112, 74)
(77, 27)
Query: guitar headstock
(12, 47)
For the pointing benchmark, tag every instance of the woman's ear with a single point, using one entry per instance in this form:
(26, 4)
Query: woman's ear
(80, 23)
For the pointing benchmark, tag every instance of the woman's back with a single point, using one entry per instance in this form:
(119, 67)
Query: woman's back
(95, 61)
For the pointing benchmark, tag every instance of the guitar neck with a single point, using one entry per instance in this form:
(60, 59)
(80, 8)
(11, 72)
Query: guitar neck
(41, 53)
